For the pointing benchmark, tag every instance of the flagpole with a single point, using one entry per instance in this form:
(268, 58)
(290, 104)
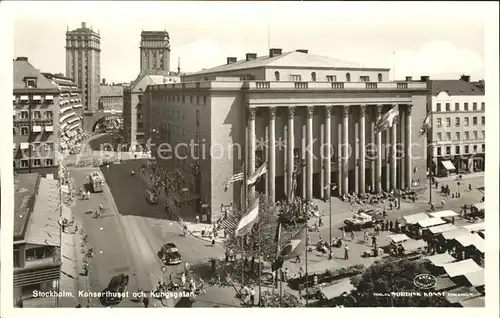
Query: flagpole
(307, 275)
(244, 202)
(430, 163)
(260, 261)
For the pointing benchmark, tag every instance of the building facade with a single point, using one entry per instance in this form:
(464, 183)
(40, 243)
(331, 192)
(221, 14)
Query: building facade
(35, 117)
(301, 102)
(111, 98)
(83, 63)
(70, 110)
(457, 139)
(155, 51)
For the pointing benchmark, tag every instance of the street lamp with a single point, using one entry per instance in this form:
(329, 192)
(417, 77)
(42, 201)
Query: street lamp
(332, 186)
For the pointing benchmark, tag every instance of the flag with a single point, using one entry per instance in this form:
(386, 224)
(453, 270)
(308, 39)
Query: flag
(278, 263)
(296, 245)
(248, 220)
(387, 119)
(257, 174)
(235, 178)
(425, 125)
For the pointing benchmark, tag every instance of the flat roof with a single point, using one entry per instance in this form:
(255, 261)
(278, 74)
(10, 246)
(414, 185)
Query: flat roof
(24, 200)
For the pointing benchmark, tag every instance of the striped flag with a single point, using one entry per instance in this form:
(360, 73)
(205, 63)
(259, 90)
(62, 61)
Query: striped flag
(387, 119)
(426, 124)
(257, 174)
(296, 245)
(235, 178)
(248, 220)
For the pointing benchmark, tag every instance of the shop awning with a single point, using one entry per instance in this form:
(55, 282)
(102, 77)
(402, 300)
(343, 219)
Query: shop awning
(476, 279)
(398, 238)
(77, 106)
(24, 97)
(475, 227)
(414, 218)
(478, 206)
(461, 268)
(49, 97)
(37, 129)
(24, 145)
(413, 245)
(74, 94)
(49, 128)
(431, 222)
(448, 165)
(442, 228)
(336, 289)
(443, 214)
(37, 97)
(441, 259)
(449, 235)
(471, 240)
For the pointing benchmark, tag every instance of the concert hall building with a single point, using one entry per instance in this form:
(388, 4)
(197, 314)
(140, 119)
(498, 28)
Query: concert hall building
(296, 99)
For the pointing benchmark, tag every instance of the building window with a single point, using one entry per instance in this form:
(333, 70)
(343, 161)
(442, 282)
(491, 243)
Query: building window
(295, 78)
(204, 100)
(483, 148)
(457, 150)
(24, 163)
(49, 162)
(438, 107)
(36, 162)
(466, 121)
(277, 76)
(183, 98)
(191, 99)
(457, 135)
(474, 106)
(31, 83)
(313, 76)
(457, 107)
(466, 149)
(364, 78)
(439, 136)
(331, 78)
(483, 120)
(474, 135)
(439, 151)
(24, 131)
(447, 105)
(457, 121)
(140, 125)
(448, 136)
(448, 121)
(474, 121)
(348, 77)
(448, 150)
(474, 148)
(482, 105)
(197, 100)
(466, 137)
(483, 134)
(36, 114)
(24, 114)
(197, 118)
(37, 253)
(438, 122)
(466, 106)
(14, 131)
(380, 77)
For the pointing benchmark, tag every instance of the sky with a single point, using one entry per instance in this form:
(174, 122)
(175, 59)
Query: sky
(441, 40)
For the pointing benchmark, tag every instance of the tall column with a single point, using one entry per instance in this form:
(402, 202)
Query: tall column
(356, 157)
(251, 147)
(272, 154)
(290, 147)
(401, 149)
(394, 157)
(339, 151)
(309, 154)
(362, 149)
(373, 151)
(345, 152)
(378, 168)
(328, 153)
(408, 170)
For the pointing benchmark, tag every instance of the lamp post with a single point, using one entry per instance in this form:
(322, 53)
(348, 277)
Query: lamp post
(332, 186)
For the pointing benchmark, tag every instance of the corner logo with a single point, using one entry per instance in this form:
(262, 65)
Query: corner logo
(425, 281)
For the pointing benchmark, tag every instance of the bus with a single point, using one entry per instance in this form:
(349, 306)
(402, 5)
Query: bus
(96, 181)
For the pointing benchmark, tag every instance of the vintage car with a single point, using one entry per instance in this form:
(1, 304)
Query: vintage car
(169, 254)
(359, 221)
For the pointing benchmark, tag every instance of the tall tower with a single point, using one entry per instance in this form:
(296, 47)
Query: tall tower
(83, 63)
(155, 52)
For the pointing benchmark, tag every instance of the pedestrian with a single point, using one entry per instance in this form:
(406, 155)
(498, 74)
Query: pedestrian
(343, 233)
(145, 301)
(374, 240)
(442, 202)
(186, 267)
(252, 297)
(365, 236)
(470, 187)
(320, 221)
(353, 235)
(227, 256)
(183, 279)
(391, 225)
(301, 272)
(213, 240)
(197, 219)
(231, 255)
(297, 259)
(320, 238)
(346, 252)
(453, 220)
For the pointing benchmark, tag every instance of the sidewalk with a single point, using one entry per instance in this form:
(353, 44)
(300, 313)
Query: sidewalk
(467, 176)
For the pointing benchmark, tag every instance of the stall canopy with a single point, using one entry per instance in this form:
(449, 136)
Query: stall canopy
(431, 222)
(475, 227)
(414, 218)
(478, 206)
(398, 238)
(450, 235)
(413, 245)
(471, 240)
(476, 279)
(448, 165)
(443, 283)
(341, 286)
(461, 268)
(441, 259)
(442, 228)
(443, 214)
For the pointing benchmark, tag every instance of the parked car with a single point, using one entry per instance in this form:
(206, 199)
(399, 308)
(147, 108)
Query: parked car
(169, 254)
(359, 221)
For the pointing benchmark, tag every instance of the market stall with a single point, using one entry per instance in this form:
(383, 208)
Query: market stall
(461, 268)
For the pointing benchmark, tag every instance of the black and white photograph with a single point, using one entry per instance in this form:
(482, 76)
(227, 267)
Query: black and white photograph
(250, 155)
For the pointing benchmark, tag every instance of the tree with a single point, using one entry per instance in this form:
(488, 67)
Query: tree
(374, 286)
(272, 299)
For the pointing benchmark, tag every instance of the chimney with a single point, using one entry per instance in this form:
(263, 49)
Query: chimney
(302, 51)
(424, 78)
(274, 52)
(251, 56)
(231, 60)
(465, 78)
(22, 58)
(408, 78)
(84, 25)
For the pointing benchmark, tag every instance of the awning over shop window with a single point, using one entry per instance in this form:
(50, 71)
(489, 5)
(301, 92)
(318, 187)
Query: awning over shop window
(24, 97)
(448, 165)
(37, 97)
(49, 128)
(49, 97)
(77, 106)
(74, 94)
(24, 145)
(37, 128)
